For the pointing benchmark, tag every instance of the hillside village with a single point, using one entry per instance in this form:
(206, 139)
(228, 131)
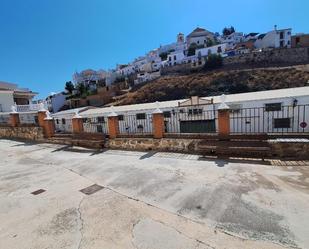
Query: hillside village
(197, 54)
(187, 54)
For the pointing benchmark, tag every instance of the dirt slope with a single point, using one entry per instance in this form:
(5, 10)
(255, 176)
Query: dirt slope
(216, 83)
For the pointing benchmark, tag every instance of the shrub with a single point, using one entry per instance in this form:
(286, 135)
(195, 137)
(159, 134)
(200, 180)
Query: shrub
(213, 61)
(163, 56)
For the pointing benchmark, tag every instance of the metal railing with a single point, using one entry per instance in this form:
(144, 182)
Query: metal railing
(31, 107)
(95, 125)
(139, 123)
(63, 124)
(30, 118)
(190, 121)
(263, 120)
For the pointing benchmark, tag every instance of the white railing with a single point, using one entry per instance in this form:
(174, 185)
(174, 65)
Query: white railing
(31, 107)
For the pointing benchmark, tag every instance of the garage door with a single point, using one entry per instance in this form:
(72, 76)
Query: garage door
(198, 126)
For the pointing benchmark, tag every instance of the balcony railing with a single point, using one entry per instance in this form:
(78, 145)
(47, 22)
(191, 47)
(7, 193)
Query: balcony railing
(31, 107)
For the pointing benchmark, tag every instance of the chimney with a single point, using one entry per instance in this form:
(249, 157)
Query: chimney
(275, 27)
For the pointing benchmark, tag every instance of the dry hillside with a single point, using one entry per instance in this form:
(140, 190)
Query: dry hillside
(216, 83)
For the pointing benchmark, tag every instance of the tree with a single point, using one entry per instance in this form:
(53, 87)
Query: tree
(227, 31)
(209, 42)
(213, 61)
(69, 87)
(191, 49)
(81, 88)
(163, 56)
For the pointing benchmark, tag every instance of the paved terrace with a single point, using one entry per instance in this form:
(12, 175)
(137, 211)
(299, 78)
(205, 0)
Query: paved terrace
(148, 200)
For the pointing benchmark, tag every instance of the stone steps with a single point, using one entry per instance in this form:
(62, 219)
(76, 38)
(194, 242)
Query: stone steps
(259, 149)
(95, 141)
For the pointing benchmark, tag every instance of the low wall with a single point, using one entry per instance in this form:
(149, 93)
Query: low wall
(275, 57)
(299, 150)
(29, 133)
(164, 144)
(283, 150)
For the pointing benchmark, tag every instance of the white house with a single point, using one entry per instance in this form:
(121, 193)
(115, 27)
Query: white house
(274, 39)
(282, 110)
(200, 37)
(10, 94)
(232, 39)
(125, 70)
(250, 36)
(55, 101)
(175, 58)
(144, 77)
(217, 49)
(89, 78)
(63, 119)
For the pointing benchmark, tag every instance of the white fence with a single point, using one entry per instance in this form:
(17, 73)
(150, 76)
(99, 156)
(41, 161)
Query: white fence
(31, 107)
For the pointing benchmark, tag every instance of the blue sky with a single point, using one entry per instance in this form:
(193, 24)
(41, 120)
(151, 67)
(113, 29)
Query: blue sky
(43, 42)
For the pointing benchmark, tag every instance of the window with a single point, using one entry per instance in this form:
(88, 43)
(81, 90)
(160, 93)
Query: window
(181, 111)
(85, 120)
(273, 107)
(195, 111)
(120, 117)
(198, 42)
(63, 121)
(282, 123)
(281, 44)
(141, 116)
(219, 50)
(101, 120)
(167, 114)
(57, 121)
(174, 57)
(169, 58)
(281, 35)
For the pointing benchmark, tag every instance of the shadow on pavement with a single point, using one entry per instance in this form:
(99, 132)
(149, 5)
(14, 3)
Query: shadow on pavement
(148, 155)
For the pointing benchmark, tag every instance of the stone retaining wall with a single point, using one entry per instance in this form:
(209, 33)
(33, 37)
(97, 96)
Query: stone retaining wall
(164, 144)
(29, 133)
(279, 57)
(299, 150)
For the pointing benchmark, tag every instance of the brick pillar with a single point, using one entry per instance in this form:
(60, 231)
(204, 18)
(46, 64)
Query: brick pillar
(223, 117)
(77, 124)
(113, 125)
(158, 124)
(49, 127)
(14, 119)
(224, 122)
(41, 117)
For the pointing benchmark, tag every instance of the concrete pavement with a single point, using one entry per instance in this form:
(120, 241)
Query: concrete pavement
(149, 200)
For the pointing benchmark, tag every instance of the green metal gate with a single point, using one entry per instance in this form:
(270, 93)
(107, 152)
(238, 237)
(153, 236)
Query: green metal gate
(198, 126)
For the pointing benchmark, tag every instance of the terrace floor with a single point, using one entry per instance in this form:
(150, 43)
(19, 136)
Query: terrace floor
(147, 200)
